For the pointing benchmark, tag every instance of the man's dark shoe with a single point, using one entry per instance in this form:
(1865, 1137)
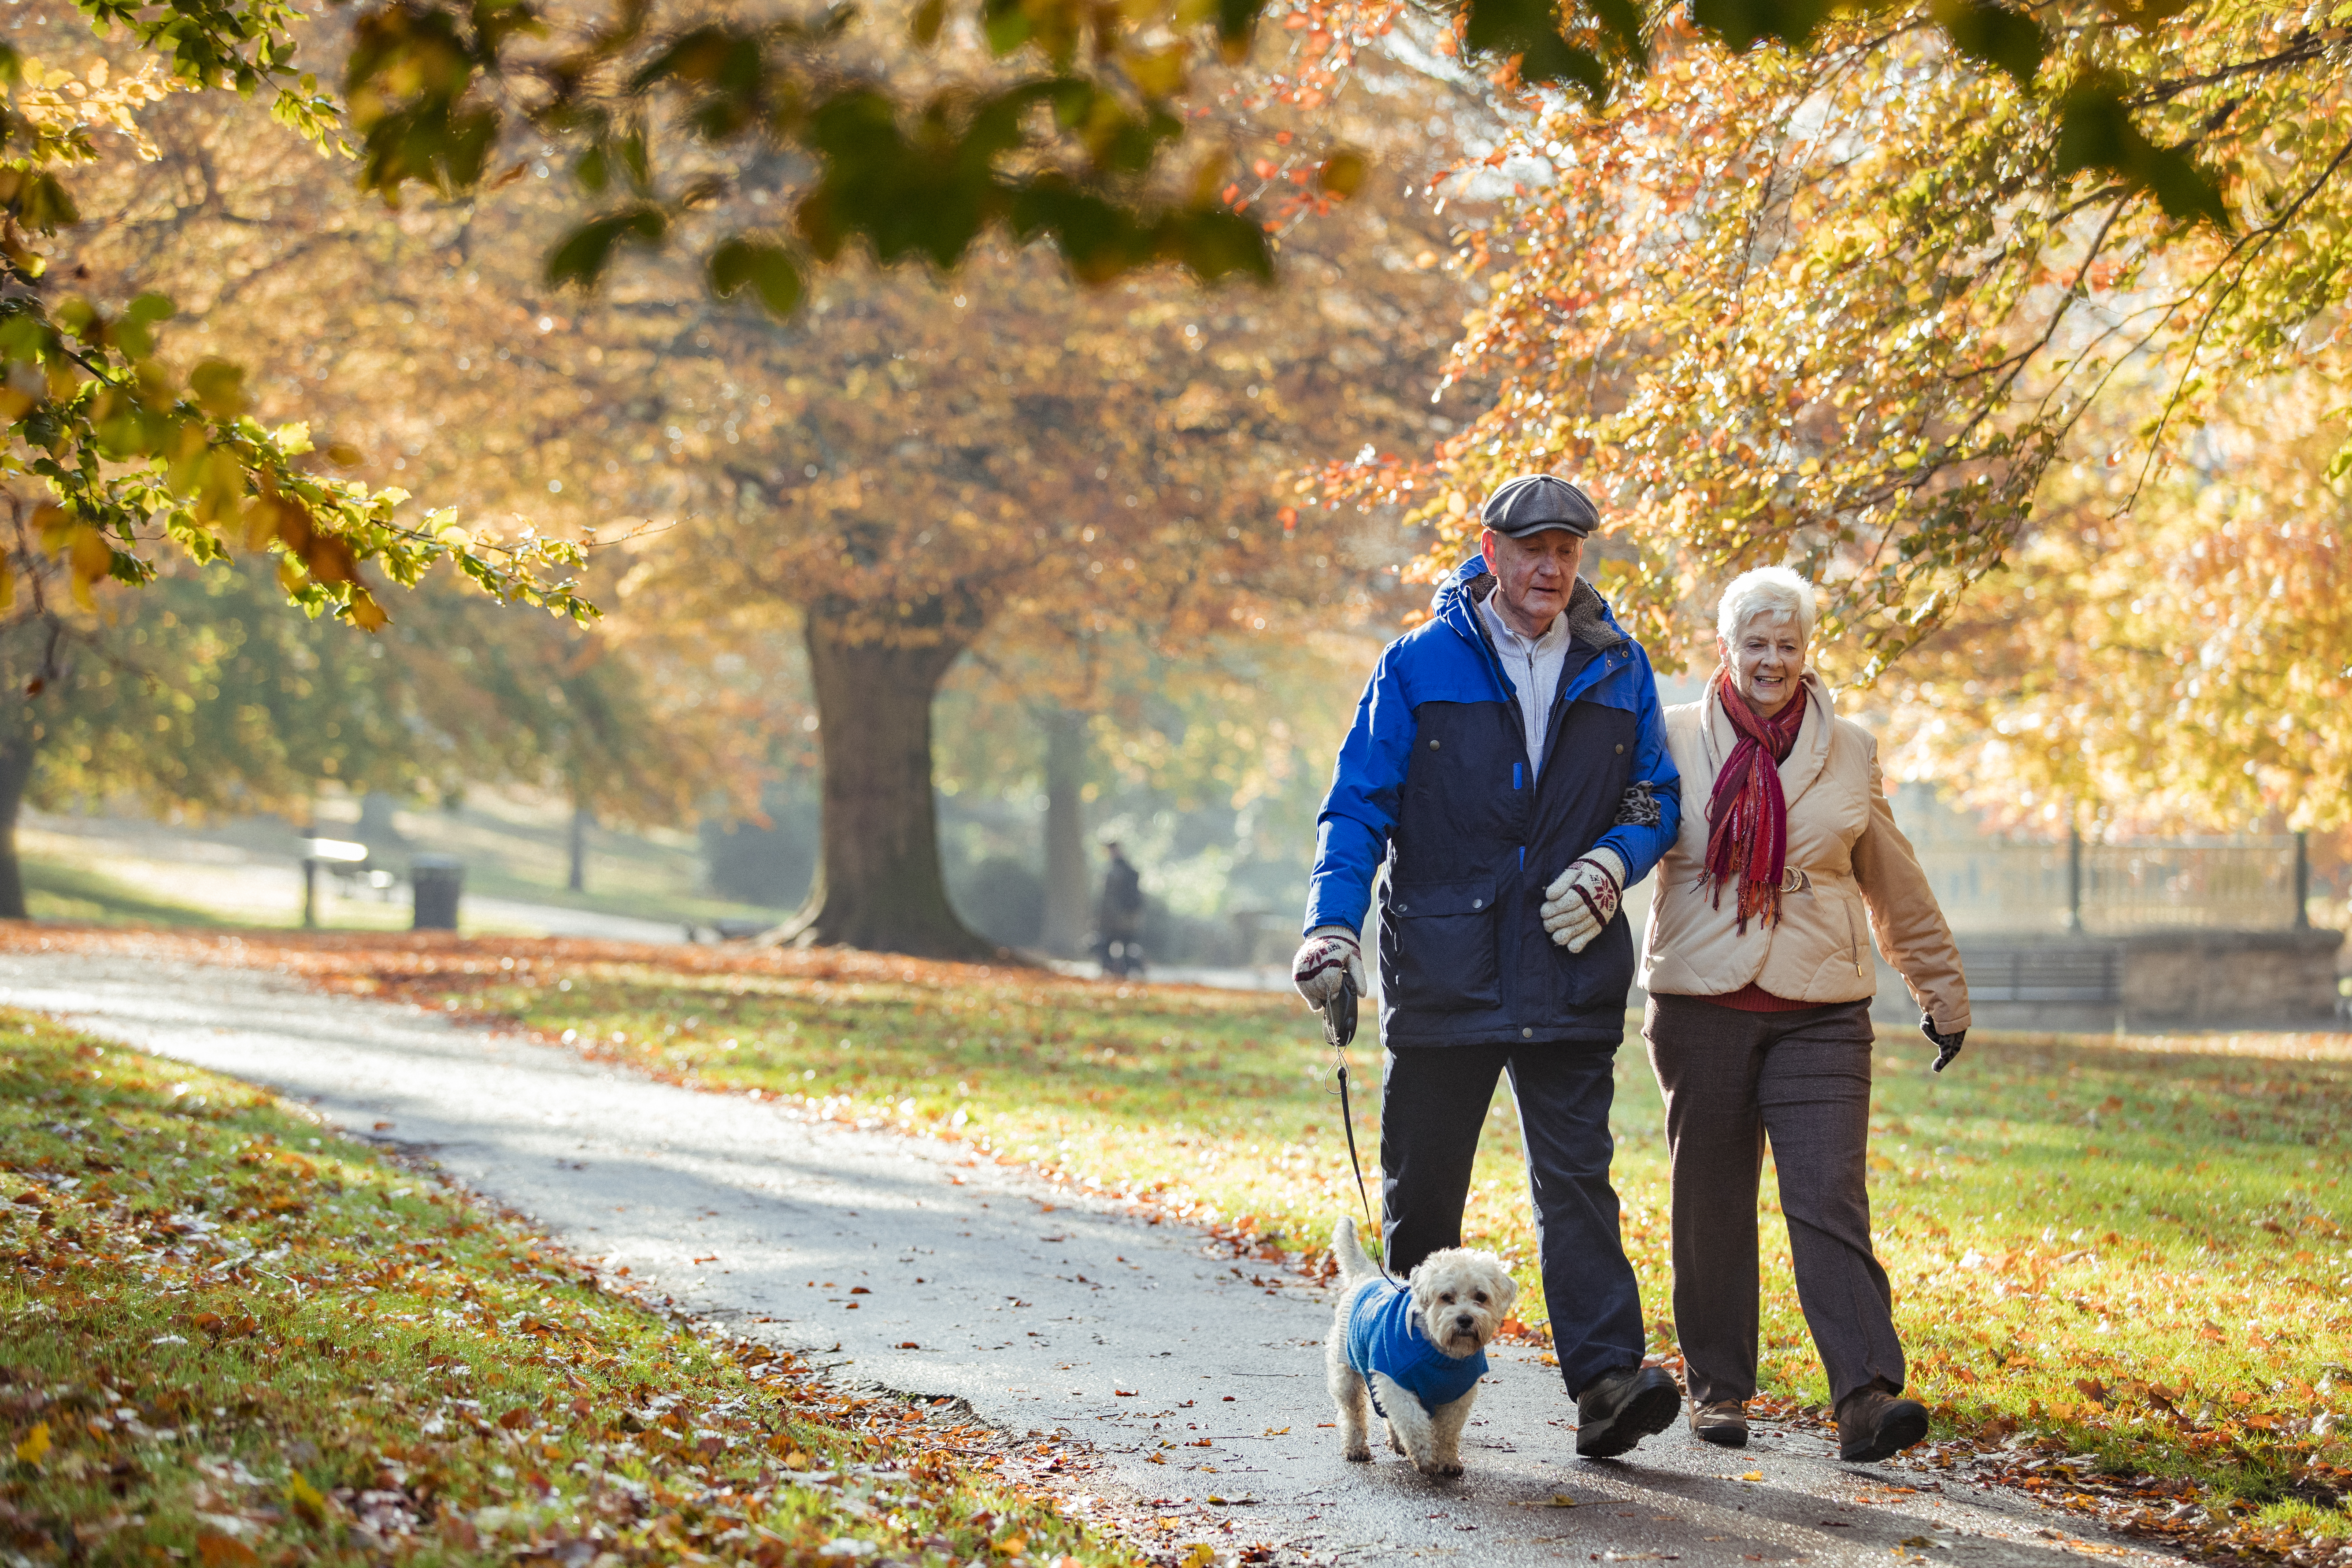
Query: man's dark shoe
(1622, 1408)
(1875, 1424)
(1723, 1423)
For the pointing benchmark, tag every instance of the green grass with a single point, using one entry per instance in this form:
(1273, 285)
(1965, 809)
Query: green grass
(2138, 1254)
(232, 1338)
(55, 891)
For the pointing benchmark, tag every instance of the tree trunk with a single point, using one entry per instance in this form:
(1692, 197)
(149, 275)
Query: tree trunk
(17, 752)
(577, 846)
(1068, 915)
(879, 883)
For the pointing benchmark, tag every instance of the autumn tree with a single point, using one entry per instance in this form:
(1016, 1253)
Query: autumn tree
(906, 466)
(202, 694)
(2184, 663)
(1846, 307)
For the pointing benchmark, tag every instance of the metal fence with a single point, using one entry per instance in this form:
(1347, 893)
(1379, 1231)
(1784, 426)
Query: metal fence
(2099, 889)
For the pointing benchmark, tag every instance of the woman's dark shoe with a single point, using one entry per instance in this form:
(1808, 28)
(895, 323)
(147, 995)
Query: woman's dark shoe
(1623, 1407)
(1875, 1424)
(1723, 1423)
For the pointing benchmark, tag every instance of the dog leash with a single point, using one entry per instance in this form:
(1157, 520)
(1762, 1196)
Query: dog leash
(1338, 1030)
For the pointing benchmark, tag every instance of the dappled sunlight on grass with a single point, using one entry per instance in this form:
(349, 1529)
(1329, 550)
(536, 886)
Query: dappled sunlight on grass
(2140, 1255)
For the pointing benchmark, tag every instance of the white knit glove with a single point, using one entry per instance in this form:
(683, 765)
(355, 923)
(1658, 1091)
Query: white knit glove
(1327, 956)
(1583, 900)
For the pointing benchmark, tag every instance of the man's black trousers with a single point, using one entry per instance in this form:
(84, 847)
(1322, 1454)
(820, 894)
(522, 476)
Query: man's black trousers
(1433, 1104)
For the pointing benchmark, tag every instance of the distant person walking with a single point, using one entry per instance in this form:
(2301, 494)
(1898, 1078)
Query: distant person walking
(1760, 980)
(1508, 770)
(1118, 924)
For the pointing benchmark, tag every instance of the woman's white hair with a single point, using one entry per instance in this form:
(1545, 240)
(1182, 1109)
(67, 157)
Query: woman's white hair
(1766, 590)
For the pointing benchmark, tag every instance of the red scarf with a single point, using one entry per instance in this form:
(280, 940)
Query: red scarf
(1748, 816)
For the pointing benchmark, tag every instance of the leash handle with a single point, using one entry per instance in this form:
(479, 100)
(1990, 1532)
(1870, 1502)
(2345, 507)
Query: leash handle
(1338, 1029)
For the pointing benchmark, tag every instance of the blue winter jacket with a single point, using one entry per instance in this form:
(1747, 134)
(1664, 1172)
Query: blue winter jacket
(1432, 780)
(1384, 1336)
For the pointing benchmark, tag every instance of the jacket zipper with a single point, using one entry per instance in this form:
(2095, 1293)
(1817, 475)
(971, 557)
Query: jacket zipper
(1853, 936)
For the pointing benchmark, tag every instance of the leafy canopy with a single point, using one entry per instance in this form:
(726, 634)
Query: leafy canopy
(1846, 307)
(113, 455)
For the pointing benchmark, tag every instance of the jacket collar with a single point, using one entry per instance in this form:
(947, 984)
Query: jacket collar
(1590, 621)
(1805, 761)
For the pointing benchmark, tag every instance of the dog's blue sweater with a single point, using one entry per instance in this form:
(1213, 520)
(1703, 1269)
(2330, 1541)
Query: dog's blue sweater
(1384, 1336)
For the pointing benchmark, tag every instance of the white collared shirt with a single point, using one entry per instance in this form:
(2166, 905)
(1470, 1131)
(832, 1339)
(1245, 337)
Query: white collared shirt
(1534, 664)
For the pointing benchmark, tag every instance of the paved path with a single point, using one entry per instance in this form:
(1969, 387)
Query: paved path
(1039, 1316)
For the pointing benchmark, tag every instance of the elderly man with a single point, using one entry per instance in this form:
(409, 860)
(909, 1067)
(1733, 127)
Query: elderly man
(1509, 764)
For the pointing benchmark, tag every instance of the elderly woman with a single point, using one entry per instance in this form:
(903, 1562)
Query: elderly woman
(1760, 982)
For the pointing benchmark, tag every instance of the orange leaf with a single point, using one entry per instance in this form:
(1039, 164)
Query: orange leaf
(219, 1551)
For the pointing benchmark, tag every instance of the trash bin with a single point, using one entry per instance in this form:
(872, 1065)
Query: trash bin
(438, 880)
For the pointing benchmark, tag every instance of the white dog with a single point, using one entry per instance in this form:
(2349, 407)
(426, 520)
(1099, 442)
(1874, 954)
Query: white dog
(1417, 1350)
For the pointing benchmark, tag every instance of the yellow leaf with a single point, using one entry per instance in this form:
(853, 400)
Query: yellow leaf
(7, 584)
(1158, 74)
(35, 1446)
(1342, 173)
(305, 1498)
(1202, 1555)
(366, 613)
(1560, 1500)
(1753, 1476)
(1012, 1546)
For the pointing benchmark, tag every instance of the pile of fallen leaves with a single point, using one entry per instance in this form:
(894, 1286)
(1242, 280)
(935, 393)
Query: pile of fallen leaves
(234, 1337)
(424, 967)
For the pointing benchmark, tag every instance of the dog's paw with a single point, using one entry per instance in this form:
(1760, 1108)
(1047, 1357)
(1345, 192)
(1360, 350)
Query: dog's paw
(1361, 1453)
(1447, 1471)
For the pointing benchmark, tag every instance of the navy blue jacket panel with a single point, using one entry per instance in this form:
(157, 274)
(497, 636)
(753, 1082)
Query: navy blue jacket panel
(1433, 781)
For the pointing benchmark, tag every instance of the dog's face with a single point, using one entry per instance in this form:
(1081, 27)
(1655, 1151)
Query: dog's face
(1462, 1298)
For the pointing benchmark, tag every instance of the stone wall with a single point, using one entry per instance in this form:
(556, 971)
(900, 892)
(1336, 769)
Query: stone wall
(2168, 980)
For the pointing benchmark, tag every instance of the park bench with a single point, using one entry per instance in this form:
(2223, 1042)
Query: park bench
(2046, 972)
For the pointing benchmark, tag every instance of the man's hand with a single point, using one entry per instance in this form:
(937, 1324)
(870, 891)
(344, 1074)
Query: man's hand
(1946, 1046)
(1583, 900)
(1328, 957)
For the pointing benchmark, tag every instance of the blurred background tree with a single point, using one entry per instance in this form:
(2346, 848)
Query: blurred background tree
(203, 696)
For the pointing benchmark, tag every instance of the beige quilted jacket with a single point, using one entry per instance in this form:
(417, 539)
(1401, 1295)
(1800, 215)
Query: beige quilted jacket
(1849, 867)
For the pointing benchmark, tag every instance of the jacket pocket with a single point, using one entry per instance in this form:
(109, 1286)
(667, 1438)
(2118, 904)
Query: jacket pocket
(1438, 948)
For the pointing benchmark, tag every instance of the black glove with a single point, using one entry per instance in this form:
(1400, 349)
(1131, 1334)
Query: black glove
(1946, 1046)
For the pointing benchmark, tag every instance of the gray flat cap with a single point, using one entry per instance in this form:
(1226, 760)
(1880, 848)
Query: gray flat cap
(1533, 502)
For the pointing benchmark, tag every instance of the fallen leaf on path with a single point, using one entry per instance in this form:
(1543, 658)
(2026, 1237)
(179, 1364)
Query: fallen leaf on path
(35, 1446)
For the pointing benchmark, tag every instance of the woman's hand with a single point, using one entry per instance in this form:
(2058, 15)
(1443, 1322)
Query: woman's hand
(1946, 1046)
(1583, 900)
